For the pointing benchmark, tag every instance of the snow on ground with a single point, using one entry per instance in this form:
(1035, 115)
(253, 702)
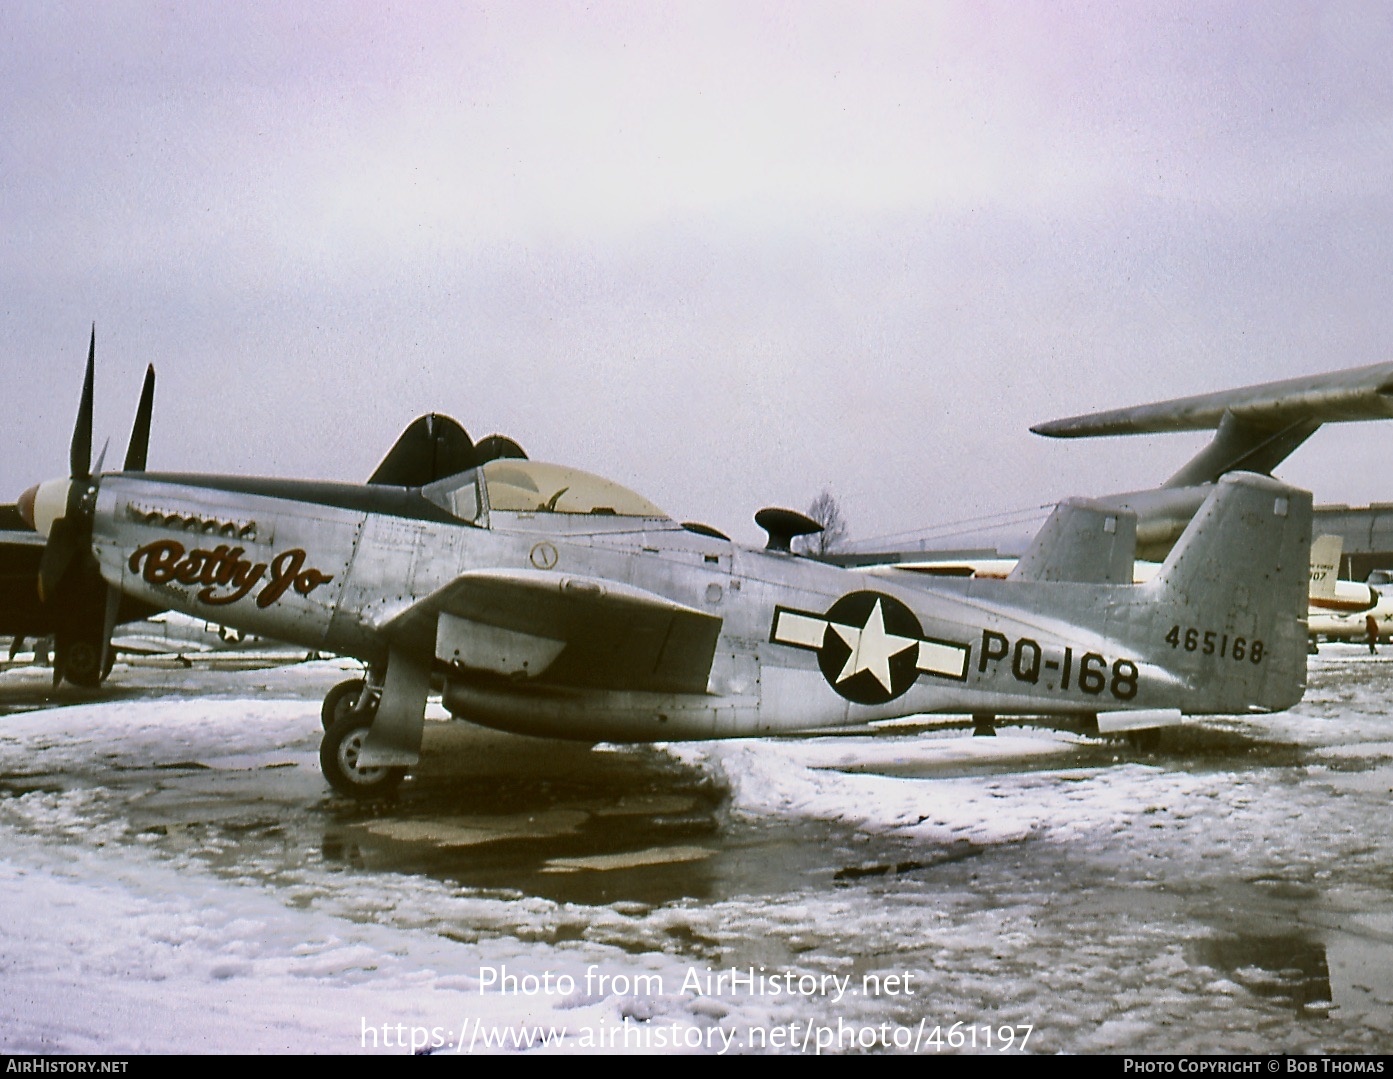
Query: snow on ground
(1234, 893)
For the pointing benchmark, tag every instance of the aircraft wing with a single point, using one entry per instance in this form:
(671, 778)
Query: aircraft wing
(1360, 393)
(564, 630)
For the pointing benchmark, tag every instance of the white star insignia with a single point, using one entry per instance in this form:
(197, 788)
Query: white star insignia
(871, 648)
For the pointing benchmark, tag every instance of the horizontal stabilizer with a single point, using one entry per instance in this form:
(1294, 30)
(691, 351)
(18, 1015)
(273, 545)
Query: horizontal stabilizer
(1360, 393)
(1083, 542)
(1140, 720)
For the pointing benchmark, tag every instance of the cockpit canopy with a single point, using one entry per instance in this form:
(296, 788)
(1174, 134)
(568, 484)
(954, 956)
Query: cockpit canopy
(528, 487)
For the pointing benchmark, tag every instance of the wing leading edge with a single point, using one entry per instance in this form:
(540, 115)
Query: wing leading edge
(1255, 429)
(1360, 393)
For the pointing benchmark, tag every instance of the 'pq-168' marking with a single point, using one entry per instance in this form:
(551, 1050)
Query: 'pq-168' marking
(1028, 664)
(167, 561)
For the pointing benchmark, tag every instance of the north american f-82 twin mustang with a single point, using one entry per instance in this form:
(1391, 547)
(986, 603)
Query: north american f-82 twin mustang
(547, 601)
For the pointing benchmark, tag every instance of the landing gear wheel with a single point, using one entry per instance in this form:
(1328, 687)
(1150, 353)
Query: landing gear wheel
(338, 757)
(81, 661)
(339, 702)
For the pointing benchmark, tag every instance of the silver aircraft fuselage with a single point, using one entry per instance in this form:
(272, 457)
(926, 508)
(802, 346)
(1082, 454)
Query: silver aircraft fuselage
(602, 626)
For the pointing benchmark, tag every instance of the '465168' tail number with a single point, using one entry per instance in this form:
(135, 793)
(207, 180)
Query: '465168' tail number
(1212, 643)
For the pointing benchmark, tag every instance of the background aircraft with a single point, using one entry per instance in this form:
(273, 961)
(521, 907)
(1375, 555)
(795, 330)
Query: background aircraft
(1255, 429)
(1336, 623)
(1337, 608)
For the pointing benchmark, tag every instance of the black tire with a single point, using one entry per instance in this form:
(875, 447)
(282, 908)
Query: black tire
(81, 661)
(339, 702)
(338, 758)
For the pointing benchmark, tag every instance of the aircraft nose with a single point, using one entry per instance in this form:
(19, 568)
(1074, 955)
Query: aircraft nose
(40, 506)
(25, 505)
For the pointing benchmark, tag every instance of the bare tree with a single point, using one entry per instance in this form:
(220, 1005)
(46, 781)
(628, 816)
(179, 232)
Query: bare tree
(826, 511)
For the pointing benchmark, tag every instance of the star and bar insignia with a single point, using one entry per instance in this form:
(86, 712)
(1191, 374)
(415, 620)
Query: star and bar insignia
(869, 646)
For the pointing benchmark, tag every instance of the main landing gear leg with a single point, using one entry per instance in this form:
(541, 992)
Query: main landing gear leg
(348, 697)
(373, 740)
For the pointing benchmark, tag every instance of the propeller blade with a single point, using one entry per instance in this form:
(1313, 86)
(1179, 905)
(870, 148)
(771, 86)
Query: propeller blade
(101, 457)
(113, 604)
(80, 453)
(64, 539)
(140, 431)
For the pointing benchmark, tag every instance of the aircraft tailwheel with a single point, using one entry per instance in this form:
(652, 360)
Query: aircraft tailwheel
(1146, 739)
(338, 758)
(339, 702)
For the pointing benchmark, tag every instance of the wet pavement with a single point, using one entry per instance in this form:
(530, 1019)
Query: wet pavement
(1244, 861)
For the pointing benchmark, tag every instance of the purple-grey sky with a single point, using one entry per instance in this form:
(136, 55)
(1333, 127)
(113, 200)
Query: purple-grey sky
(726, 253)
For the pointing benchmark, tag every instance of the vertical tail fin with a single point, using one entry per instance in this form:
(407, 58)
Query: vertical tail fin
(1325, 565)
(1231, 599)
(1083, 542)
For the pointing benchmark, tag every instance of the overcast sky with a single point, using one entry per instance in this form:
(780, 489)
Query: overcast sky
(728, 254)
